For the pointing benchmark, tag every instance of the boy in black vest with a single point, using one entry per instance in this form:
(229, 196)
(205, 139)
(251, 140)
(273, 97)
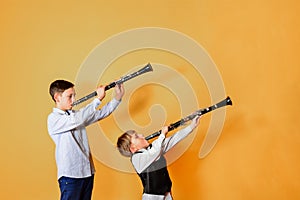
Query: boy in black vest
(149, 161)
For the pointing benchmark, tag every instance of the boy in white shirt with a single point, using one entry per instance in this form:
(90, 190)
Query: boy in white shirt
(75, 168)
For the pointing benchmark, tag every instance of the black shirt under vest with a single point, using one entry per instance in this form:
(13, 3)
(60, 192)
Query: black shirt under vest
(155, 178)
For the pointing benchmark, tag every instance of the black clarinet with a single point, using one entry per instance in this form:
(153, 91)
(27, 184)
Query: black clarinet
(200, 112)
(145, 69)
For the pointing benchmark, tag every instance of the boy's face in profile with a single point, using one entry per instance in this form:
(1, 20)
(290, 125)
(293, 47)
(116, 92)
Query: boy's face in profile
(138, 142)
(65, 99)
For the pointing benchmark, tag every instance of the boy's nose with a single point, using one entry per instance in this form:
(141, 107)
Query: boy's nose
(73, 99)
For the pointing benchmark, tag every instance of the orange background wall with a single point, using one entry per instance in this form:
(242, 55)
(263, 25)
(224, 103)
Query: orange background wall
(254, 44)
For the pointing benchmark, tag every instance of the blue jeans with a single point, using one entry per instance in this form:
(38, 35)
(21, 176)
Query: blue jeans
(76, 188)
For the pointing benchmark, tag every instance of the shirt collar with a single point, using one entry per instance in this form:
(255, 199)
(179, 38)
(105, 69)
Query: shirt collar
(145, 149)
(57, 110)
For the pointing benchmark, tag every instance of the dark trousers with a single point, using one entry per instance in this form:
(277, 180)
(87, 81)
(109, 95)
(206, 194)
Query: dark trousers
(76, 188)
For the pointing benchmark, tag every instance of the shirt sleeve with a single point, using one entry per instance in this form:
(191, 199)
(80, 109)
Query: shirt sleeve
(102, 113)
(177, 137)
(60, 123)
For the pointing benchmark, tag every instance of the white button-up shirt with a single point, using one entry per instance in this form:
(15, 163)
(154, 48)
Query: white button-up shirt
(67, 129)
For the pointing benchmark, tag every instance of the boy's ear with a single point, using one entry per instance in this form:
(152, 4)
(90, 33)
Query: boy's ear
(133, 149)
(57, 97)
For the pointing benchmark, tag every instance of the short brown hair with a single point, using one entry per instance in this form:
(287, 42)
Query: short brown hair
(124, 143)
(59, 86)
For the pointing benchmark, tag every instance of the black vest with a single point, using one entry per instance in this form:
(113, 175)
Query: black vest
(156, 179)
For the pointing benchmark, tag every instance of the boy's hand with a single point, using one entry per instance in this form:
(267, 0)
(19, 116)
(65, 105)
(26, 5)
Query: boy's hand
(119, 91)
(195, 121)
(164, 130)
(100, 92)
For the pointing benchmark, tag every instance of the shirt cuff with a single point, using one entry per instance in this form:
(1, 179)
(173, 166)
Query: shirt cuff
(96, 102)
(161, 137)
(114, 99)
(115, 102)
